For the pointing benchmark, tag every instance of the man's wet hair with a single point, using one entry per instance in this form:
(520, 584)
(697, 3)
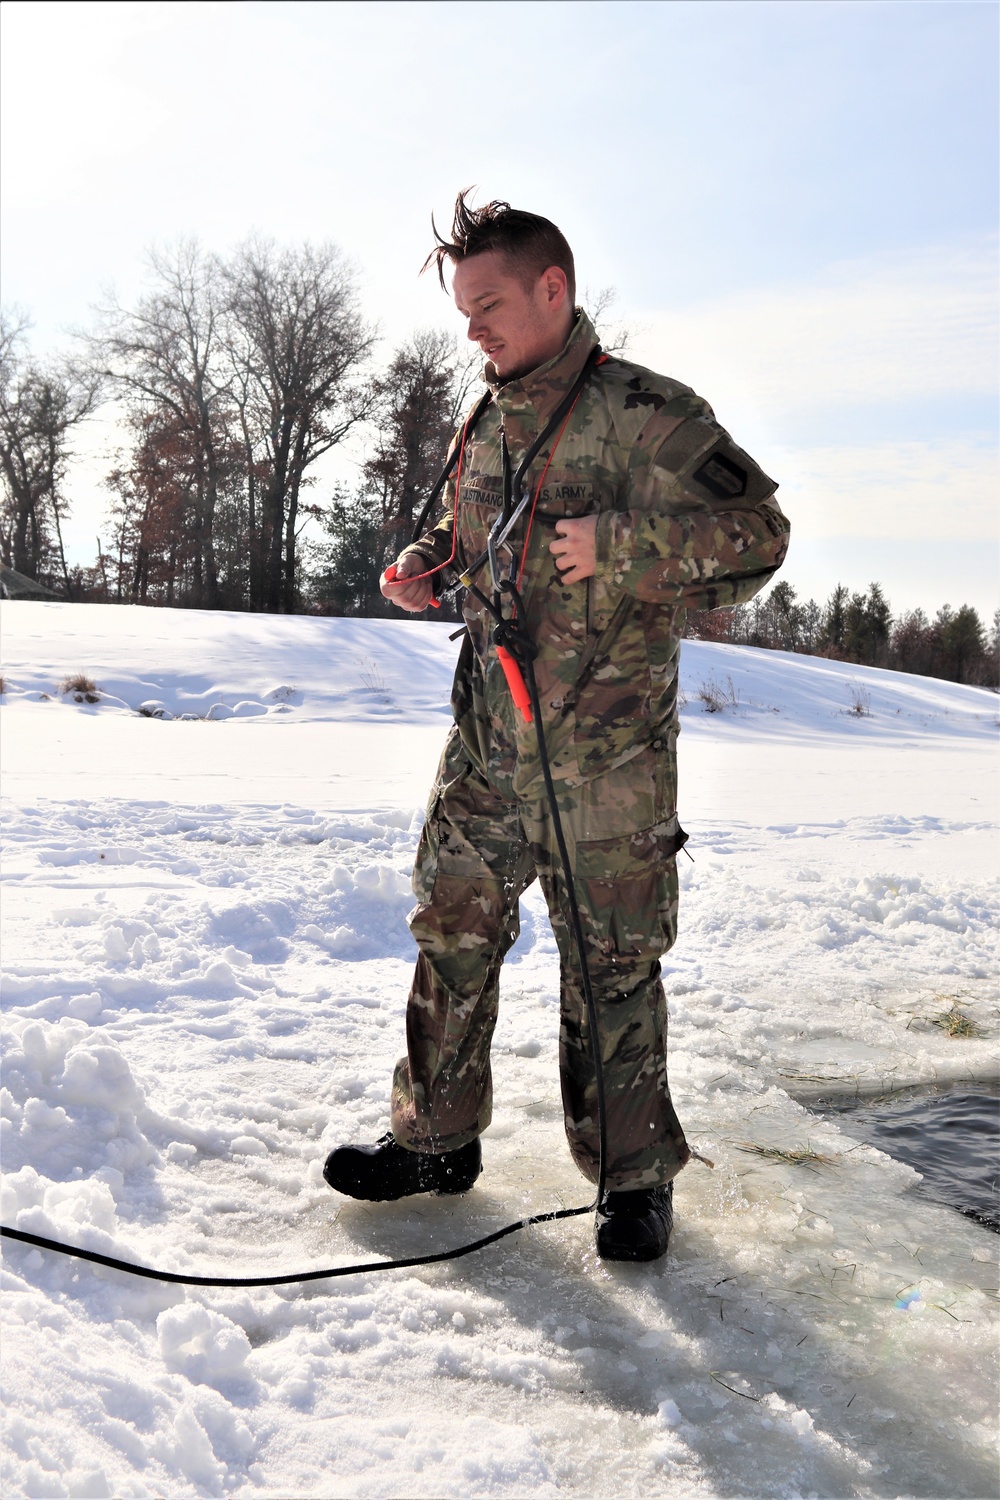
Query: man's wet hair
(528, 242)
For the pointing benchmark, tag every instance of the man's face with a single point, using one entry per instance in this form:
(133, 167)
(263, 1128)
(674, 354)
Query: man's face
(517, 327)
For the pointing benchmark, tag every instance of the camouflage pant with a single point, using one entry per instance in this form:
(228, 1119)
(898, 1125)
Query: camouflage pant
(477, 853)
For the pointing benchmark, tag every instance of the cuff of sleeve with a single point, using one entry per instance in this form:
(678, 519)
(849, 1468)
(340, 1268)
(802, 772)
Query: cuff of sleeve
(429, 561)
(424, 553)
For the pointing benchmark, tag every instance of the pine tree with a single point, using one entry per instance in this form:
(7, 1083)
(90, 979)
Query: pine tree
(785, 617)
(877, 626)
(961, 645)
(833, 636)
(351, 559)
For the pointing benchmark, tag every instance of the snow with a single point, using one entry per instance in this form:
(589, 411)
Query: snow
(207, 962)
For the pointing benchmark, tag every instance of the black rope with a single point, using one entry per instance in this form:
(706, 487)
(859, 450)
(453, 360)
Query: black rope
(521, 645)
(41, 1243)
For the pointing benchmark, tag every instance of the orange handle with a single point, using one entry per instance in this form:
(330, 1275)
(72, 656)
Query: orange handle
(515, 682)
(390, 577)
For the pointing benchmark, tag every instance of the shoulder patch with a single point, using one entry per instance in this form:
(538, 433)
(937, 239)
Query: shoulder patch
(722, 477)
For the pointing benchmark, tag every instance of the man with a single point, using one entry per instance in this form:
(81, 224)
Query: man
(642, 506)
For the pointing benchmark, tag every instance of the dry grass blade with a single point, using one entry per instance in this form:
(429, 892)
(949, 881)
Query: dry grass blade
(796, 1156)
(794, 1073)
(955, 1022)
(83, 688)
(371, 677)
(719, 1381)
(716, 698)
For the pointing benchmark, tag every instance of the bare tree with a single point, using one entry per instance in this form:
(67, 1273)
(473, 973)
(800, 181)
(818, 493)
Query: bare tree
(164, 358)
(236, 375)
(296, 342)
(615, 336)
(416, 405)
(415, 416)
(40, 406)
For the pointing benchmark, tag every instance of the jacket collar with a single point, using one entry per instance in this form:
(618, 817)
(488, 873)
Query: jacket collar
(544, 388)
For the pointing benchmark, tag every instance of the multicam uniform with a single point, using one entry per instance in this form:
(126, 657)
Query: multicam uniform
(685, 519)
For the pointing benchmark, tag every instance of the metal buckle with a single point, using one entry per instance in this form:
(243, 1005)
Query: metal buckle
(499, 533)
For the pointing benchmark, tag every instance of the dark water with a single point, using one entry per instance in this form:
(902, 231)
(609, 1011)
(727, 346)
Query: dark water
(950, 1134)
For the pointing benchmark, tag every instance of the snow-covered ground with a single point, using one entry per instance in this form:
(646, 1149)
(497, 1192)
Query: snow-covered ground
(207, 963)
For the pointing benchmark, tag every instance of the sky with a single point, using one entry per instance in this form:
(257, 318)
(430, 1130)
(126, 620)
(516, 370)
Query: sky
(796, 204)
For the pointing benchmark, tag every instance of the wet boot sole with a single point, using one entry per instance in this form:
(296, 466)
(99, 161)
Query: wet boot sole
(630, 1252)
(365, 1195)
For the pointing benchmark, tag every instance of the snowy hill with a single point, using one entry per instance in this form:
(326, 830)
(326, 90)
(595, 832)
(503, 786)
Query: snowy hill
(214, 665)
(207, 962)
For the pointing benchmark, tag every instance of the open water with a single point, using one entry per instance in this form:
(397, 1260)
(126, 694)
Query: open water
(949, 1133)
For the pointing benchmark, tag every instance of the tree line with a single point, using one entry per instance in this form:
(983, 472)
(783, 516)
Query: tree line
(231, 376)
(861, 627)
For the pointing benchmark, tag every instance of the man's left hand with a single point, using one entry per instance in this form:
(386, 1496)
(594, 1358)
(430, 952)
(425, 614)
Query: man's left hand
(575, 548)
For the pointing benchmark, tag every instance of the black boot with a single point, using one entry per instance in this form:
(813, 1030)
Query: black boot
(386, 1171)
(635, 1225)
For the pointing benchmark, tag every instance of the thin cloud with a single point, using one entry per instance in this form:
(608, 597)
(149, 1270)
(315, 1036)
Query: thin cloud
(904, 326)
(913, 490)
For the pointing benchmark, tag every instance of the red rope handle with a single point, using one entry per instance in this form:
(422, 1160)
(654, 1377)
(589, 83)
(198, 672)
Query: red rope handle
(391, 570)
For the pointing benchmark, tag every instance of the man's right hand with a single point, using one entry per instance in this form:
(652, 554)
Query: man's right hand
(414, 597)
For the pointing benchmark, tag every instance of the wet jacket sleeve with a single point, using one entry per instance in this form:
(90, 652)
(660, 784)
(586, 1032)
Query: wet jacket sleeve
(701, 528)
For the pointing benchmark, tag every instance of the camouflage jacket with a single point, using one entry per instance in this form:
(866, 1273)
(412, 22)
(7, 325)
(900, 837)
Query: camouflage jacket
(685, 519)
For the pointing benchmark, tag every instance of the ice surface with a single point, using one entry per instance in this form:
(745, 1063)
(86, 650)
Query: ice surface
(207, 961)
